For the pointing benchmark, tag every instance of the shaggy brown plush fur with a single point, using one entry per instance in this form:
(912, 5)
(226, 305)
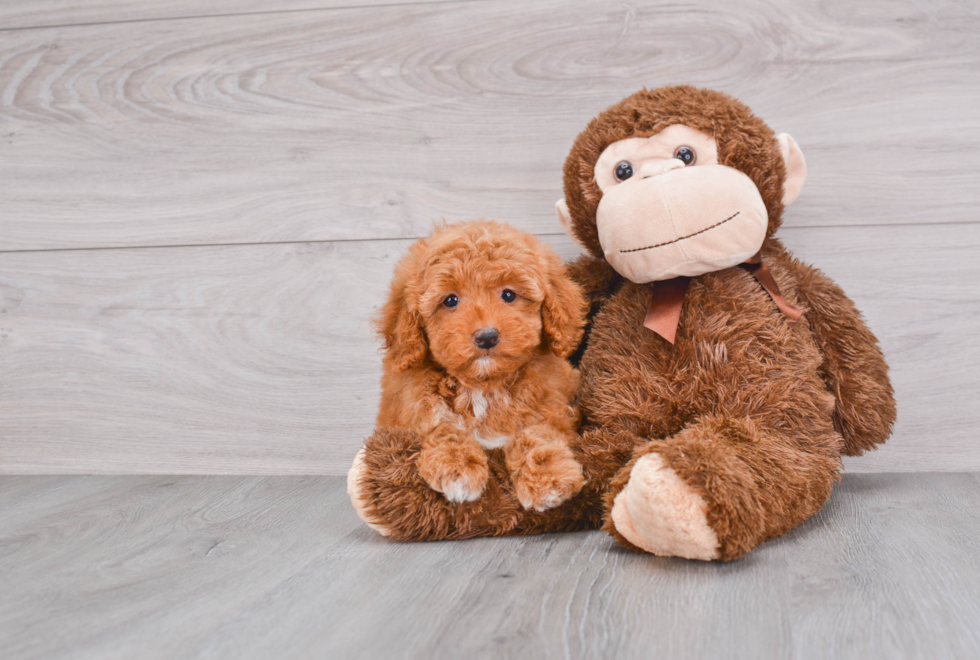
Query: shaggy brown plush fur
(752, 413)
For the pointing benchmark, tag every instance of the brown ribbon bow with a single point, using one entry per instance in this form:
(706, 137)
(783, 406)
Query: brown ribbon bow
(664, 312)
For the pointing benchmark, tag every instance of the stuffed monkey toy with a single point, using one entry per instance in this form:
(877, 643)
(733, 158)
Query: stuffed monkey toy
(722, 379)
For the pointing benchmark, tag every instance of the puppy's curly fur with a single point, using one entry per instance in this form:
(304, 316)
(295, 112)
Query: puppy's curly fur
(460, 398)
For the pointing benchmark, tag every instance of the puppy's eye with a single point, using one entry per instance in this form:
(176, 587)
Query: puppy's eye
(508, 296)
(624, 170)
(686, 155)
(451, 301)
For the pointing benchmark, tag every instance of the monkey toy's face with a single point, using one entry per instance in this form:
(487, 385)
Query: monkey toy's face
(669, 208)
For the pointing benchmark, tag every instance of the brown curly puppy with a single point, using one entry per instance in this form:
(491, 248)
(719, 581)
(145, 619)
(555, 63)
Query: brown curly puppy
(726, 426)
(477, 327)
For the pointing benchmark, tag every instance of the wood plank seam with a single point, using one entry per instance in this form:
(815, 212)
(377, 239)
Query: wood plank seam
(541, 234)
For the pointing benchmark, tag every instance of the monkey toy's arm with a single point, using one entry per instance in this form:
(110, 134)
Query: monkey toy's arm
(854, 367)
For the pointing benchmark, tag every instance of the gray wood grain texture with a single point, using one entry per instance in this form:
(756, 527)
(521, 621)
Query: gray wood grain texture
(260, 360)
(369, 122)
(288, 156)
(52, 13)
(261, 567)
(15, 490)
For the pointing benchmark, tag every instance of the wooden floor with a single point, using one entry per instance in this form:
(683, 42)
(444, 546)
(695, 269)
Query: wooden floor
(203, 200)
(280, 567)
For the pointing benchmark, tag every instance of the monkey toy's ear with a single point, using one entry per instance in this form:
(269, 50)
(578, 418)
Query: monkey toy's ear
(795, 167)
(565, 218)
(400, 324)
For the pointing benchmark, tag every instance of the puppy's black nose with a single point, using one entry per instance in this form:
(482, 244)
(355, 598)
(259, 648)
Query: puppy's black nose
(486, 338)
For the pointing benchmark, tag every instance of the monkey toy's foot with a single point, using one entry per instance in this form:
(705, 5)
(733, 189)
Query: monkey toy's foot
(658, 512)
(356, 494)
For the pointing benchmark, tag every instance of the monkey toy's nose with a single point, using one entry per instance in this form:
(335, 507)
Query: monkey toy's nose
(486, 338)
(657, 167)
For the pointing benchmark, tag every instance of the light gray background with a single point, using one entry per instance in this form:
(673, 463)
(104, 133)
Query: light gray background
(202, 203)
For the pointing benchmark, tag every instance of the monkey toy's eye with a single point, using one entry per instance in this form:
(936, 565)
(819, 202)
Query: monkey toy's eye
(451, 301)
(508, 296)
(623, 170)
(686, 155)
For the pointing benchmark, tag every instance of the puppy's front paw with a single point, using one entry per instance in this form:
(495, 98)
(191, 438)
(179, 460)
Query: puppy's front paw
(457, 470)
(549, 476)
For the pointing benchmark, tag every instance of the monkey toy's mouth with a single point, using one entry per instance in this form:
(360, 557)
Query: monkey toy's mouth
(681, 238)
(686, 222)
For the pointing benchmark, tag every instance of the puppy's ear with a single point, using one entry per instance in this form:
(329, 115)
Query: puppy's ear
(563, 310)
(400, 323)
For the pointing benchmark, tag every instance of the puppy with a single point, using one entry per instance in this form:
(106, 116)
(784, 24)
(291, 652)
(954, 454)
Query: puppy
(476, 330)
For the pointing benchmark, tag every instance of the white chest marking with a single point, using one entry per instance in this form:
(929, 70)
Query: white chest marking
(492, 442)
(478, 401)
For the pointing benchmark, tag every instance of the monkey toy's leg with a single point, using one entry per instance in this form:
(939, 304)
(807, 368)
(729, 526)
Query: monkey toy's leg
(390, 495)
(722, 485)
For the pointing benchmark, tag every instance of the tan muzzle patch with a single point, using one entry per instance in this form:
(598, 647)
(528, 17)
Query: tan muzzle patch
(682, 222)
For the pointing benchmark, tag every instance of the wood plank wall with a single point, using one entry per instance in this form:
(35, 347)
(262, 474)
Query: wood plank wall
(201, 202)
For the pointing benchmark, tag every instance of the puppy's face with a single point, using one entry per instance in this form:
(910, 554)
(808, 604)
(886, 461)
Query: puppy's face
(479, 298)
(482, 317)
